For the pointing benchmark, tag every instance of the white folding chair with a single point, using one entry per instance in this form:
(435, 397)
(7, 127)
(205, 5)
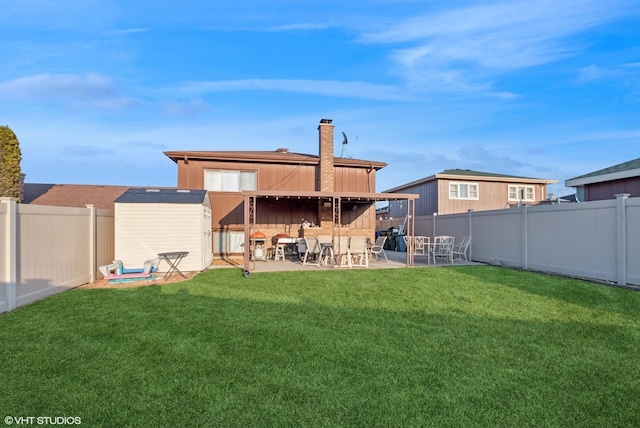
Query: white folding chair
(341, 251)
(312, 250)
(377, 249)
(358, 251)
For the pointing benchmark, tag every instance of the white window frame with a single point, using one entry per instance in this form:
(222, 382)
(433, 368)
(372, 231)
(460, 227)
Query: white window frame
(227, 180)
(521, 192)
(471, 190)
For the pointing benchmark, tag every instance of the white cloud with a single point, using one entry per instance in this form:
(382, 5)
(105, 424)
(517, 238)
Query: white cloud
(625, 75)
(297, 27)
(461, 49)
(362, 90)
(84, 90)
(85, 151)
(175, 108)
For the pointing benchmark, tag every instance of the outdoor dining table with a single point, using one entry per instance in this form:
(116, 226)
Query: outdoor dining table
(173, 259)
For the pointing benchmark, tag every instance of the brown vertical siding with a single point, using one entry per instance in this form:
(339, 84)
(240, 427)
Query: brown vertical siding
(354, 180)
(608, 189)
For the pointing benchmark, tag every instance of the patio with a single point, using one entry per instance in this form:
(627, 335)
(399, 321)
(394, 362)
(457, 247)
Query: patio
(397, 259)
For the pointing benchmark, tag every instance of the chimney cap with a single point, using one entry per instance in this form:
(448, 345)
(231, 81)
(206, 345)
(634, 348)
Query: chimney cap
(282, 150)
(326, 120)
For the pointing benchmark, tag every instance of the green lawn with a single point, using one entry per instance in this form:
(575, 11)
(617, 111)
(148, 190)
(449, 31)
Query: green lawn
(462, 346)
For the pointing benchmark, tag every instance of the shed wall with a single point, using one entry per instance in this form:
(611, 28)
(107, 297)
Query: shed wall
(144, 230)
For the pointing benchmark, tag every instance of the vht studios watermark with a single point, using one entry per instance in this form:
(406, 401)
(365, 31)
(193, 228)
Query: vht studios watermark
(42, 420)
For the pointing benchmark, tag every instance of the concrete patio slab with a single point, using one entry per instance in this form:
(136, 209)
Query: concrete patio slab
(397, 260)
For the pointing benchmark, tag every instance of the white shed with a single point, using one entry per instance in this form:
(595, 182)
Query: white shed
(152, 221)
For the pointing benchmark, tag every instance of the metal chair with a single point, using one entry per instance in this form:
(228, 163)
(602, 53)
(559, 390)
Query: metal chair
(378, 249)
(422, 247)
(443, 248)
(460, 249)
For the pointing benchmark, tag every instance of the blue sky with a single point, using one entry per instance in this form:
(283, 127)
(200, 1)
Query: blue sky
(96, 90)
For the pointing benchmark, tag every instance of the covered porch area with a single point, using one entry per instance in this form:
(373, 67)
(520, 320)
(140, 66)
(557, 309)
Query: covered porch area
(268, 214)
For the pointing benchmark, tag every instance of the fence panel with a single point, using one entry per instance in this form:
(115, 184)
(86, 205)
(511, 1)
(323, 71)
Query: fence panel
(54, 250)
(573, 239)
(45, 250)
(497, 237)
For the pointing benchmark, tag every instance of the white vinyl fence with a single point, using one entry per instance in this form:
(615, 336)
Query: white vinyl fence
(597, 240)
(46, 250)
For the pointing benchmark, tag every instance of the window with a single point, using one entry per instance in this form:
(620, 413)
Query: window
(463, 191)
(218, 180)
(521, 193)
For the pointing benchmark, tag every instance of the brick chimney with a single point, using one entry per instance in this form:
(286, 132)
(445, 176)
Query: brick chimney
(325, 175)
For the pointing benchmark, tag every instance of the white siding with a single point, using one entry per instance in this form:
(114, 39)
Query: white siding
(144, 230)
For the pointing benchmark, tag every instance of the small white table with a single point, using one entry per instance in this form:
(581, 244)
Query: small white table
(173, 259)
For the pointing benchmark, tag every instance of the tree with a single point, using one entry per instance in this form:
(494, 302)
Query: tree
(10, 158)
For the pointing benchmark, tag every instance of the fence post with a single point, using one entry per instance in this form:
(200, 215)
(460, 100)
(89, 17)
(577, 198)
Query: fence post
(434, 225)
(470, 232)
(525, 233)
(621, 241)
(93, 249)
(10, 277)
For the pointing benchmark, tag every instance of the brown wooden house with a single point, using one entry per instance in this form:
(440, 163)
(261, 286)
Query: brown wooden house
(459, 190)
(274, 192)
(606, 183)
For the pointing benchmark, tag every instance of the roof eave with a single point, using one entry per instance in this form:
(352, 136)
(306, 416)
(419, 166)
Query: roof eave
(506, 179)
(318, 195)
(472, 177)
(295, 158)
(620, 175)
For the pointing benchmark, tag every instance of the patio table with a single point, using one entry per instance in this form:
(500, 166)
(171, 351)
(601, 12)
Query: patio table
(173, 259)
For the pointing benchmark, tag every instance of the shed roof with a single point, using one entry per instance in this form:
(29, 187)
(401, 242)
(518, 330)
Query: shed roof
(277, 156)
(162, 196)
(466, 174)
(616, 172)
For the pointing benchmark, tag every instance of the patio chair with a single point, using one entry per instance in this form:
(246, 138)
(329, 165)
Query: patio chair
(422, 246)
(326, 249)
(460, 249)
(443, 248)
(341, 250)
(377, 249)
(358, 251)
(312, 251)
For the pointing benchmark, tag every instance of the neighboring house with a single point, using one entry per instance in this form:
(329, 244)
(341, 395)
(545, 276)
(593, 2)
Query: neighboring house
(71, 195)
(274, 192)
(606, 183)
(459, 190)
